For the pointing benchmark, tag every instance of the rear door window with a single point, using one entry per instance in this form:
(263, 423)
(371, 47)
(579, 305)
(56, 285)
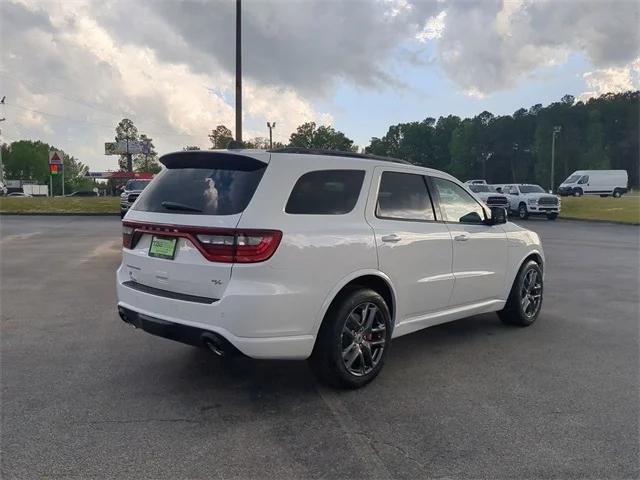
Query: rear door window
(404, 196)
(325, 192)
(203, 187)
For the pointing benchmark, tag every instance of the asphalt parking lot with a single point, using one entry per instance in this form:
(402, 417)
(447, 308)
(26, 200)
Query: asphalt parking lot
(86, 396)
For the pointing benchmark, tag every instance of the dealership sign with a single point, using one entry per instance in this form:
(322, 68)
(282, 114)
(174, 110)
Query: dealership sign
(127, 147)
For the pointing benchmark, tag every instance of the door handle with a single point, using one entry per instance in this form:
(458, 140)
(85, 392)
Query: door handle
(461, 238)
(391, 238)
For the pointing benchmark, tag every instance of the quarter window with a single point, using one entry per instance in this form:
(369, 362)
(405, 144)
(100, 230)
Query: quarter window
(325, 192)
(456, 203)
(404, 196)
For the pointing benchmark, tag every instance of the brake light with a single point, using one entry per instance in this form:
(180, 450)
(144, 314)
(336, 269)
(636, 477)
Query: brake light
(240, 246)
(220, 247)
(127, 236)
(224, 245)
(256, 245)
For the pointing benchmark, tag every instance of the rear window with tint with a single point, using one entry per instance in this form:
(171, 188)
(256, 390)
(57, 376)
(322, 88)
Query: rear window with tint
(202, 191)
(325, 192)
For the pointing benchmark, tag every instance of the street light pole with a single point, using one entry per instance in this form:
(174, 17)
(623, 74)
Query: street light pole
(271, 126)
(238, 72)
(1, 165)
(556, 130)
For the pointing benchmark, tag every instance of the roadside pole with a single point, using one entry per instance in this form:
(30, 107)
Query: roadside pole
(556, 130)
(62, 179)
(50, 183)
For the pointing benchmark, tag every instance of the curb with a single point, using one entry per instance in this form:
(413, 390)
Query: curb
(593, 220)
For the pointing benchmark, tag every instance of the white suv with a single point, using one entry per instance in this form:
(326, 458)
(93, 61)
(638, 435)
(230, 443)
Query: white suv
(295, 254)
(525, 200)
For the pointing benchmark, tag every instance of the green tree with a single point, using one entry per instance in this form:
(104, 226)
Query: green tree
(27, 160)
(125, 130)
(309, 135)
(147, 162)
(220, 137)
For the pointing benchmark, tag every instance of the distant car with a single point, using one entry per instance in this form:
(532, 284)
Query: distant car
(527, 199)
(19, 194)
(489, 195)
(477, 181)
(130, 194)
(595, 182)
(83, 193)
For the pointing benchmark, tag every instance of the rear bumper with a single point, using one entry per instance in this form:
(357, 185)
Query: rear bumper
(186, 321)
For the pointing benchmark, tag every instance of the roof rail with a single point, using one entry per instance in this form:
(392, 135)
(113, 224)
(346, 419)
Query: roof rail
(336, 153)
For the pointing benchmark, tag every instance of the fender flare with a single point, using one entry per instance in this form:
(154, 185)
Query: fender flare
(342, 283)
(514, 271)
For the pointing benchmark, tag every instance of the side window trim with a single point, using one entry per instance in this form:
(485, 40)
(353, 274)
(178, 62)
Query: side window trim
(436, 214)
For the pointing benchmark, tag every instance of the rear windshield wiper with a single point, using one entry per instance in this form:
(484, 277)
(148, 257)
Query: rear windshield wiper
(180, 206)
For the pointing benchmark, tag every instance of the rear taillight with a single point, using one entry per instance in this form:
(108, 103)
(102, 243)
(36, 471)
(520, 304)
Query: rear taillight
(127, 236)
(216, 244)
(256, 245)
(240, 246)
(219, 247)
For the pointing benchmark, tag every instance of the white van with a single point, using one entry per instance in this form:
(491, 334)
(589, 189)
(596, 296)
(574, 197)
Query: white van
(595, 182)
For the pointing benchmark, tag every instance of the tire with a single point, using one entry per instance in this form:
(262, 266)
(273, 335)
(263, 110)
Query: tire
(577, 192)
(348, 353)
(552, 216)
(517, 311)
(617, 194)
(523, 213)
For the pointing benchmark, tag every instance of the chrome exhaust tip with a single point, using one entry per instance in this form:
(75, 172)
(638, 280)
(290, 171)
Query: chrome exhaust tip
(213, 343)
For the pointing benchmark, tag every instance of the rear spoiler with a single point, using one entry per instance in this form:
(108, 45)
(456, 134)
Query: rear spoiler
(219, 159)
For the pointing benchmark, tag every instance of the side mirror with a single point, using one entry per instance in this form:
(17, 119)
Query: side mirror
(498, 216)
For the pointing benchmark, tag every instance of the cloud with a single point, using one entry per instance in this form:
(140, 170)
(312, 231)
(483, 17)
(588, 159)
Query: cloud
(433, 27)
(72, 69)
(490, 45)
(612, 80)
(69, 80)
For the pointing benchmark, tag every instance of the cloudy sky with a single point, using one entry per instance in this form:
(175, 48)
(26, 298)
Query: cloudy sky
(71, 69)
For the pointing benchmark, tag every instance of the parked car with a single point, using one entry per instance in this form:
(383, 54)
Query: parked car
(130, 194)
(476, 182)
(489, 195)
(295, 254)
(527, 199)
(18, 194)
(83, 193)
(595, 182)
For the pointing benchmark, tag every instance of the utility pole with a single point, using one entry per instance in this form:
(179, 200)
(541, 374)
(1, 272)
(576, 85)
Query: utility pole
(556, 130)
(129, 159)
(238, 72)
(1, 165)
(271, 126)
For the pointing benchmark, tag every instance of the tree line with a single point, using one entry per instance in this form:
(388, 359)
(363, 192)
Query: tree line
(601, 133)
(29, 160)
